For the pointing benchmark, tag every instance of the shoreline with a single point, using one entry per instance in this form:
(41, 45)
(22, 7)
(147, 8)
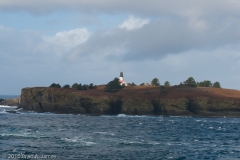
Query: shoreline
(228, 115)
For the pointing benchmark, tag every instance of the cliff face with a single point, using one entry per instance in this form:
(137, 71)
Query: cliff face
(174, 101)
(58, 101)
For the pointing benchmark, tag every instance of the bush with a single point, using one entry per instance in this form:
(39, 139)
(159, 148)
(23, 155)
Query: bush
(132, 84)
(85, 87)
(216, 85)
(66, 86)
(155, 82)
(79, 87)
(92, 86)
(113, 86)
(75, 85)
(205, 83)
(190, 82)
(54, 85)
(166, 84)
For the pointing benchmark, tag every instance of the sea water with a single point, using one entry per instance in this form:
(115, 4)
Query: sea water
(29, 135)
(9, 96)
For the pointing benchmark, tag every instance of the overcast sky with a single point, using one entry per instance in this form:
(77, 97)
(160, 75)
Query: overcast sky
(59, 41)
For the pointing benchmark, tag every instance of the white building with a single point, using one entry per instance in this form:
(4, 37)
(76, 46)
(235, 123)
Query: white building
(121, 80)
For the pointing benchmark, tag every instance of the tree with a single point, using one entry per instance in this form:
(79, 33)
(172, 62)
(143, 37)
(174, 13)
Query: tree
(91, 86)
(57, 86)
(190, 82)
(205, 83)
(216, 85)
(113, 86)
(85, 87)
(75, 85)
(132, 84)
(79, 87)
(166, 84)
(200, 84)
(54, 85)
(155, 82)
(66, 86)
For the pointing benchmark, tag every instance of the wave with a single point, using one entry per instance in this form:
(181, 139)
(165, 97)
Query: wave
(28, 135)
(3, 106)
(105, 133)
(3, 111)
(80, 141)
(127, 116)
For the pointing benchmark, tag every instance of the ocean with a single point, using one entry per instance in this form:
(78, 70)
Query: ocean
(29, 135)
(9, 96)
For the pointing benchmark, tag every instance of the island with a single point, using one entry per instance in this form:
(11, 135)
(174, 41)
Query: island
(178, 100)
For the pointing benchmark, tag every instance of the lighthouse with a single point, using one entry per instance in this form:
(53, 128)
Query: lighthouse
(121, 80)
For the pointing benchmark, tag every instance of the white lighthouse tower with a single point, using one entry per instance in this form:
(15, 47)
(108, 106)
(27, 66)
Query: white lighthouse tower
(121, 80)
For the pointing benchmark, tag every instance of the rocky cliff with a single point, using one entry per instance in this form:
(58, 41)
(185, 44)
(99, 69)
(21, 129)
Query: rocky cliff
(134, 100)
(10, 102)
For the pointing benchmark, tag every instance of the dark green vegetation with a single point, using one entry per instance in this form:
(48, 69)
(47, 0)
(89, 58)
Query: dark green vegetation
(205, 83)
(75, 86)
(132, 84)
(216, 85)
(190, 82)
(208, 83)
(54, 85)
(167, 84)
(155, 82)
(66, 86)
(113, 86)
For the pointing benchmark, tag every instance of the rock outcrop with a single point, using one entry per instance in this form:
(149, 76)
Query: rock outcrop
(133, 100)
(10, 102)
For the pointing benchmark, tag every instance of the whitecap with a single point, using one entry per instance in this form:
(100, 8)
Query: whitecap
(3, 106)
(121, 115)
(153, 143)
(89, 143)
(78, 140)
(17, 135)
(3, 112)
(105, 133)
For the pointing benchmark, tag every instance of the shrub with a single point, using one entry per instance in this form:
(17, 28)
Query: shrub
(166, 84)
(155, 82)
(216, 85)
(113, 86)
(190, 82)
(66, 86)
(75, 85)
(54, 85)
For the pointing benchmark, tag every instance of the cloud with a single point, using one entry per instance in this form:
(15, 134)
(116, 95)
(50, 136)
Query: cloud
(132, 23)
(68, 39)
(158, 38)
(184, 8)
(170, 40)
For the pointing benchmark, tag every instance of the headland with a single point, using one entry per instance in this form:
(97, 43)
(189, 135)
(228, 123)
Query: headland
(179, 100)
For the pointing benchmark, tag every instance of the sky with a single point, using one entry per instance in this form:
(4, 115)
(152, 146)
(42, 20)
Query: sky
(79, 41)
